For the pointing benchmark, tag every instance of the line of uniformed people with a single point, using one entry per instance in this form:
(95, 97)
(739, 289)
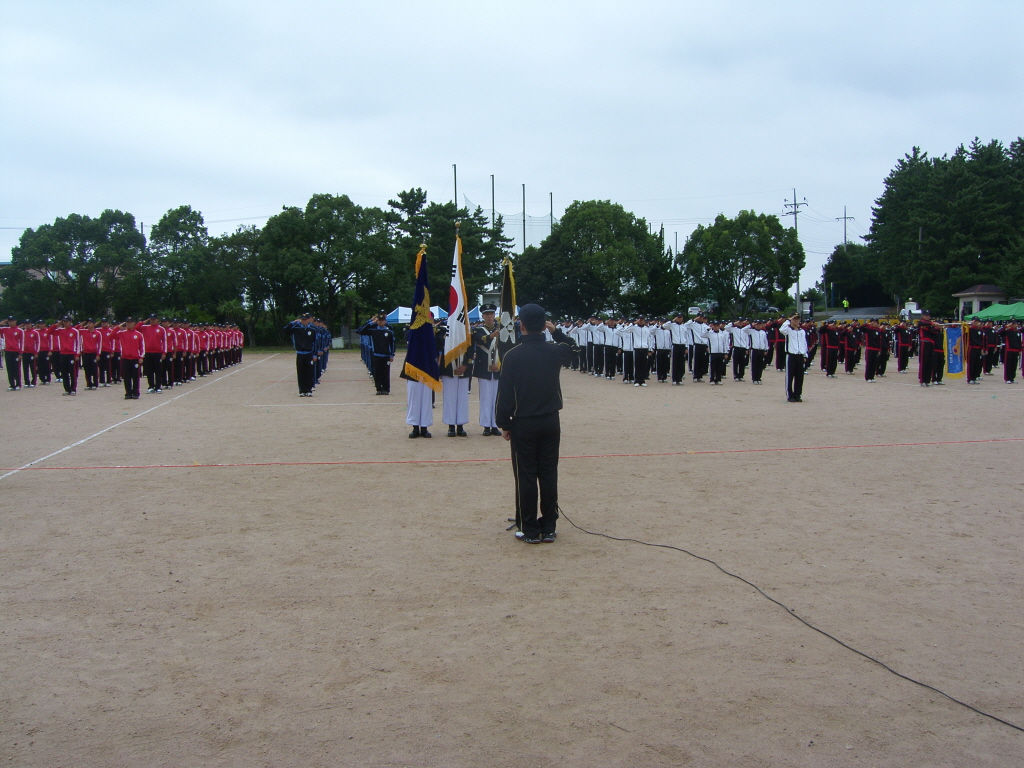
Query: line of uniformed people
(172, 352)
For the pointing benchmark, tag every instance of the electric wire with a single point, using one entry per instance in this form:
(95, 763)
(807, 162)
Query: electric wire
(796, 616)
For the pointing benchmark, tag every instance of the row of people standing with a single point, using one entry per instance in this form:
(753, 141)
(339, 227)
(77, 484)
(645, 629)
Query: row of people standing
(312, 343)
(169, 352)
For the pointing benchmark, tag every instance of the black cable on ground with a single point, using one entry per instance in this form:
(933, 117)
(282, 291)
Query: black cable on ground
(796, 616)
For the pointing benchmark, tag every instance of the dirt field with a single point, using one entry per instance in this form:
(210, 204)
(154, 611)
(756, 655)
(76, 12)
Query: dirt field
(373, 611)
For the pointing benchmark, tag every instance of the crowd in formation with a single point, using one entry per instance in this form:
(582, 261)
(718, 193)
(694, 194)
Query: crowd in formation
(637, 349)
(167, 352)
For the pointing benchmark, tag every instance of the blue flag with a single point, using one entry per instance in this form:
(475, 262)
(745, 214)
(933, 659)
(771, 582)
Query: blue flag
(421, 355)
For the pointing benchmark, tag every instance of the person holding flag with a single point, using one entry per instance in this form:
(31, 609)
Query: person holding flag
(420, 368)
(456, 369)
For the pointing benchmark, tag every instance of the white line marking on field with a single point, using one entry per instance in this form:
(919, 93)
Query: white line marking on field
(268, 388)
(132, 418)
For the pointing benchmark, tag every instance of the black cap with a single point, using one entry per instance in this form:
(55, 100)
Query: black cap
(926, 312)
(305, 315)
(532, 317)
(488, 308)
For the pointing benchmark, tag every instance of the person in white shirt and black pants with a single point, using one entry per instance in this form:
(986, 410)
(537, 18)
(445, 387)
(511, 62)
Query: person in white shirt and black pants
(796, 356)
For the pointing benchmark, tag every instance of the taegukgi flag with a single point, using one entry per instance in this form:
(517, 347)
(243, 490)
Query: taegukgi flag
(457, 341)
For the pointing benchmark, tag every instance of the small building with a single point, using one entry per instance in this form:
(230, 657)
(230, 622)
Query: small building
(977, 298)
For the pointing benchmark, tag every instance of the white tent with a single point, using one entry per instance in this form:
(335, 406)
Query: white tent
(403, 315)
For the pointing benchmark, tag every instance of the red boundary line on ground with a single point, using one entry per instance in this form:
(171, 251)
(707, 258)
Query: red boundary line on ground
(479, 461)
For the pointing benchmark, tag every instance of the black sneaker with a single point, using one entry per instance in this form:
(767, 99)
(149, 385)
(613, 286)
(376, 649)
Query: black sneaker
(461, 432)
(526, 539)
(451, 431)
(547, 538)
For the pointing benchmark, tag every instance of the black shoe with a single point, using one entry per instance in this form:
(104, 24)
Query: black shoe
(520, 536)
(424, 433)
(792, 400)
(451, 431)
(461, 432)
(127, 397)
(547, 538)
(415, 432)
(487, 431)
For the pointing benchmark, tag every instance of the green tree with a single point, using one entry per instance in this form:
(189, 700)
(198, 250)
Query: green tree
(78, 265)
(736, 260)
(179, 245)
(944, 224)
(598, 258)
(851, 273)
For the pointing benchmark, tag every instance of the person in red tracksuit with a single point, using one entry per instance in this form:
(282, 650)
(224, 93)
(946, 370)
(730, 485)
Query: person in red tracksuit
(156, 352)
(44, 360)
(91, 343)
(33, 340)
(106, 361)
(14, 343)
(133, 351)
(872, 349)
(67, 342)
(904, 343)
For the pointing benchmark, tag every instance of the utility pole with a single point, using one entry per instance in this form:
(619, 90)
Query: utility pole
(676, 251)
(551, 213)
(492, 201)
(844, 219)
(795, 214)
(455, 176)
(524, 218)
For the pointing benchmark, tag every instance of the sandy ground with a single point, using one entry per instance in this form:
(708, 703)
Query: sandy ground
(378, 614)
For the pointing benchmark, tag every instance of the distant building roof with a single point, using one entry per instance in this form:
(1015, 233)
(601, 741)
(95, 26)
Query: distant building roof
(981, 290)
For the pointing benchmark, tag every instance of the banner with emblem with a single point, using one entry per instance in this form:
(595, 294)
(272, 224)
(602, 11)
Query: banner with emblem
(507, 310)
(421, 355)
(955, 352)
(457, 342)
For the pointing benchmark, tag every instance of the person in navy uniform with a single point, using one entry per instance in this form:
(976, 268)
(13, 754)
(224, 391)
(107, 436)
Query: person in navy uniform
(382, 351)
(486, 367)
(305, 340)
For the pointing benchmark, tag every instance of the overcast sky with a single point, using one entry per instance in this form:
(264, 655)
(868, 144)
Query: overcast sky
(677, 110)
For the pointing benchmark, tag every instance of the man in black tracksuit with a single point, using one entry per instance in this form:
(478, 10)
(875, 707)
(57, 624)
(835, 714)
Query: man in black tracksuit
(382, 351)
(529, 399)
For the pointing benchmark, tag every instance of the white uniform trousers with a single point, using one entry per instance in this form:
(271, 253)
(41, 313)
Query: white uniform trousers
(419, 410)
(456, 400)
(488, 396)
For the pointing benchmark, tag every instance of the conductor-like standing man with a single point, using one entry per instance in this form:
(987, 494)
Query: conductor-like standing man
(529, 399)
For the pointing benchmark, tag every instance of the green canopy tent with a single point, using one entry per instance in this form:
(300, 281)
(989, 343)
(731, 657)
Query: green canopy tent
(1000, 312)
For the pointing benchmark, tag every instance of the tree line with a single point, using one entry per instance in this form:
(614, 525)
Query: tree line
(941, 225)
(334, 258)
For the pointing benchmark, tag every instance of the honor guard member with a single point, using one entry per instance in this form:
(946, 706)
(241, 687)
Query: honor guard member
(529, 398)
(455, 388)
(382, 351)
(740, 348)
(486, 367)
(758, 350)
(303, 337)
(132, 344)
(796, 353)
(14, 344)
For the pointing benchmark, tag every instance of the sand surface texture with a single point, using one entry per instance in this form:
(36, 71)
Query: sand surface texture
(332, 599)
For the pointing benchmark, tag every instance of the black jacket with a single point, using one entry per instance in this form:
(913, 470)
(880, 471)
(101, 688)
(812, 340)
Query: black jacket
(528, 385)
